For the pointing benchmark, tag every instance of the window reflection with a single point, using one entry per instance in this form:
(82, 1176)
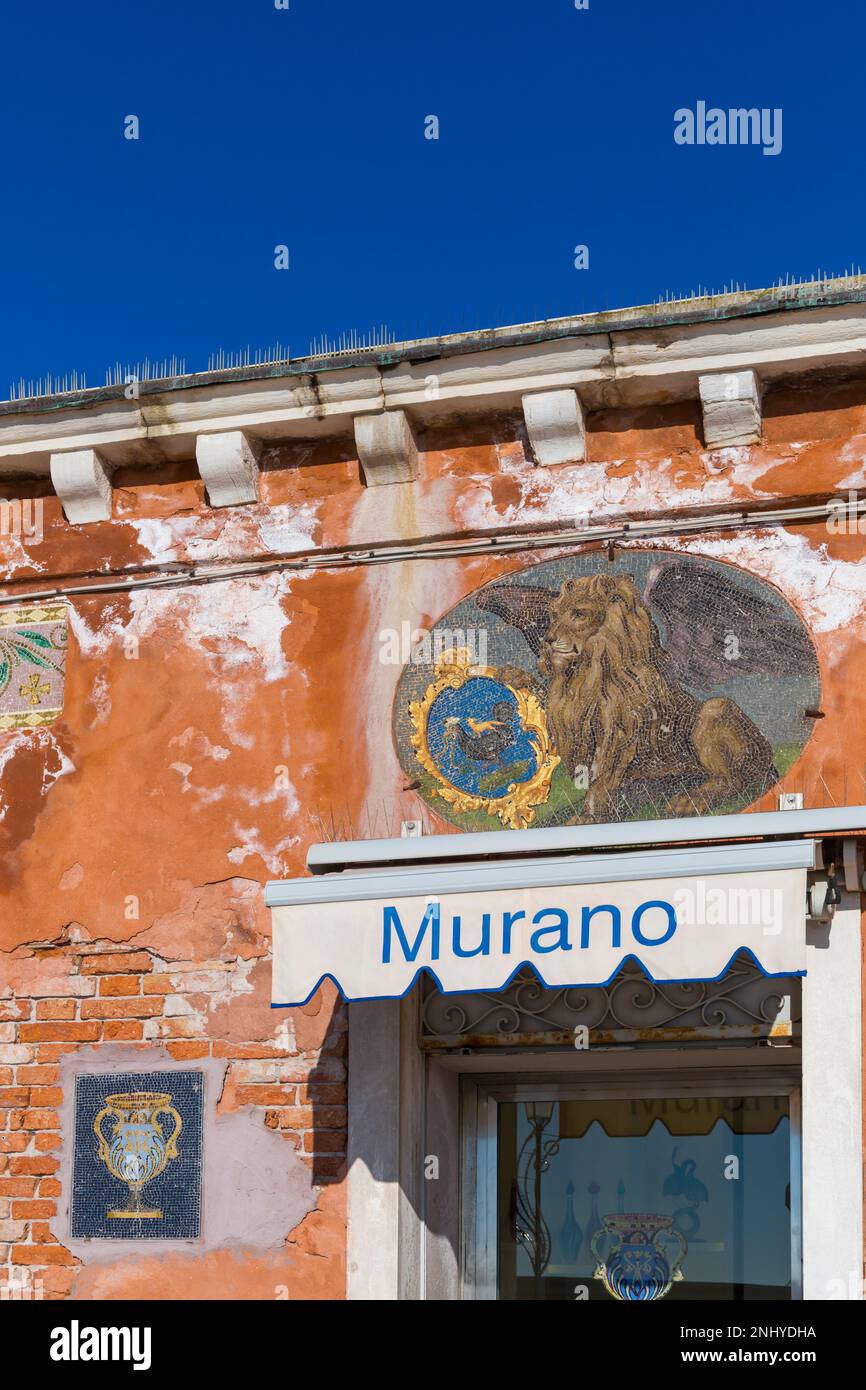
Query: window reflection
(638, 1199)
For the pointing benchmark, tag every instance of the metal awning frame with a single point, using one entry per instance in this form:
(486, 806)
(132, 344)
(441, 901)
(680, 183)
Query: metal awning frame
(437, 879)
(575, 839)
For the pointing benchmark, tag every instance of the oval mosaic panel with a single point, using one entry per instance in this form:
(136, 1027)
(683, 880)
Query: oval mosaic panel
(582, 690)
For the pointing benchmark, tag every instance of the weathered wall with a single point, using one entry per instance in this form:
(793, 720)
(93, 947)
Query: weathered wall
(210, 733)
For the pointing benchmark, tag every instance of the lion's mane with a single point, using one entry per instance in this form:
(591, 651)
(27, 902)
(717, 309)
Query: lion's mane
(611, 691)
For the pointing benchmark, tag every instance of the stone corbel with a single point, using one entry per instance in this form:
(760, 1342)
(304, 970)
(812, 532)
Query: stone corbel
(386, 447)
(82, 482)
(731, 403)
(556, 427)
(229, 464)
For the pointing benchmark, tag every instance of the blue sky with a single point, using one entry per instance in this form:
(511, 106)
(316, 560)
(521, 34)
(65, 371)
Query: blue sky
(305, 127)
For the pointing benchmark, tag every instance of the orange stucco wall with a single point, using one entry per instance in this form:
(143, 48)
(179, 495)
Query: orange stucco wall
(211, 732)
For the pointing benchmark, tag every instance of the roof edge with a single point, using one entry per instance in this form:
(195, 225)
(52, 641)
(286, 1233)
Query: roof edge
(674, 312)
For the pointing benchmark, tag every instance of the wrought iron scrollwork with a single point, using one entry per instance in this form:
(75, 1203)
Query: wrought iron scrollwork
(743, 1002)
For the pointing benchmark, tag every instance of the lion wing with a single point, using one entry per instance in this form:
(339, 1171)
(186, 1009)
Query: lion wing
(525, 606)
(698, 610)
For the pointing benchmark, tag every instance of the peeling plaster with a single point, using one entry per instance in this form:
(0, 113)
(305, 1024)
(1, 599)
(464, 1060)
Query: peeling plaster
(854, 450)
(73, 878)
(251, 797)
(283, 528)
(56, 763)
(592, 489)
(855, 480)
(236, 626)
(212, 921)
(243, 617)
(289, 528)
(252, 845)
(100, 696)
(156, 538)
(194, 741)
(183, 770)
(23, 559)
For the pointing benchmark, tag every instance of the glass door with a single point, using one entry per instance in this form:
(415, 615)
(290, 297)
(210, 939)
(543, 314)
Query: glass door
(635, 1194)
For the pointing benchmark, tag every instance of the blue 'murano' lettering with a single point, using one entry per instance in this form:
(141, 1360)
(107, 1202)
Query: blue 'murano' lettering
(562, 942)
(551, 934)
(481, 950)
(636, 921)
(391, 919)
(508, 920)
(616, 924)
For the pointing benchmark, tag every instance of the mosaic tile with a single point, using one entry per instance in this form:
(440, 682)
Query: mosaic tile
(137, 1166)
(32, 664)
(582, 689)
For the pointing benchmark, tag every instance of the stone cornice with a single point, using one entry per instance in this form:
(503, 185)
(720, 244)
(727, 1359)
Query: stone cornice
(619, 359)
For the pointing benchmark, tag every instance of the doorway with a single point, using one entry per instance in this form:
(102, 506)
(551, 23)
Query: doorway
(683, 1188)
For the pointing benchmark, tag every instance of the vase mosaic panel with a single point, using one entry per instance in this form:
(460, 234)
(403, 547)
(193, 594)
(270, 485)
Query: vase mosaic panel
(149, 1160)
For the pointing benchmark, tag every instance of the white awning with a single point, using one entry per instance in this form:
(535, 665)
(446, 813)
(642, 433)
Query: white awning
(682, 913)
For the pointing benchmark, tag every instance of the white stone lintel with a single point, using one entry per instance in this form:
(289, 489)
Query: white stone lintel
(386, 447)
(556, 426)
(229, 464)
(82, 482)
(731, 403)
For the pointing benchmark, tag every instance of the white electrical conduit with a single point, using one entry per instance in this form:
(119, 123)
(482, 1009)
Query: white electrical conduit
(182, 575)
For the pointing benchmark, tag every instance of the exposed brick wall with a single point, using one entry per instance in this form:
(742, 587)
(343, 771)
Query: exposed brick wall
(93, 993)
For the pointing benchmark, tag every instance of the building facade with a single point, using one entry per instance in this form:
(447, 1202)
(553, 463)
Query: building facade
(432, 817)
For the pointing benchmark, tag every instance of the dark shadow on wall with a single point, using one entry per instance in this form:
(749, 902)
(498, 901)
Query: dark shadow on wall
(325, 1091)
